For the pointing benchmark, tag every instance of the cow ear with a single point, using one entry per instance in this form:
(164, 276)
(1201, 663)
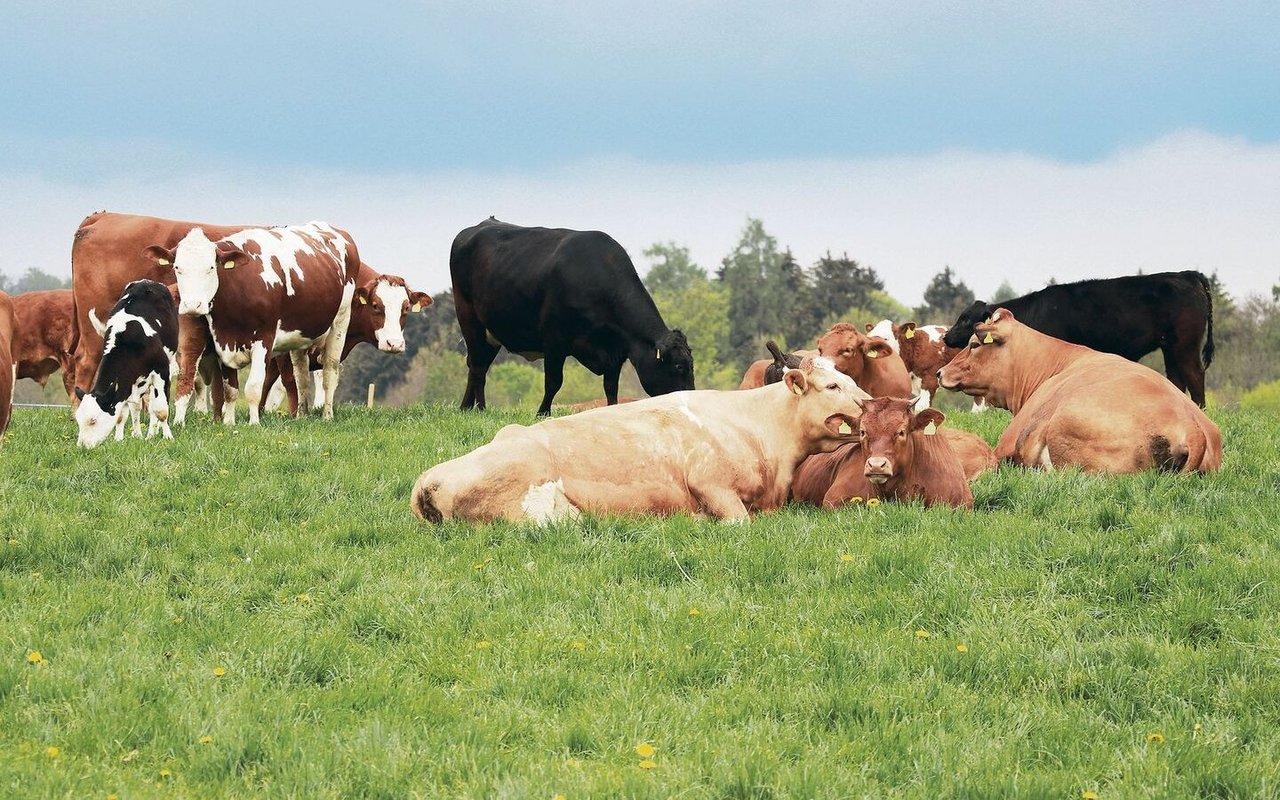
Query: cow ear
(868, 327)
(79, 393)
(796, 381)
(908, 330)
(229, 255)
(363, 293)
(419, 300)
(1002, 315)
(876, 348)
(927, 420)
(160, 256)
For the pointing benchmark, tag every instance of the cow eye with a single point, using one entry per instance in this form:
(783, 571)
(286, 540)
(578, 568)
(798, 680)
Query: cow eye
(832, 386)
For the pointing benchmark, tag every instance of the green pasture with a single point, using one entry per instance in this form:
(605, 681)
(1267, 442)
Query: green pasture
(255, 613)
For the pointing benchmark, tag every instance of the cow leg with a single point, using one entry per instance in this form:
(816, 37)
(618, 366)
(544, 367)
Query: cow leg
(317, 385)
(159, 407)
(480, 354)
(290, 384)
(720, 502)
(274, 370)
(300, 369)
(230, 388)
(553, 377)
(88, 354)
(1182, 366)
(331, 357)
(69, 377)
(611, 373)
(979, 405)
(259, 354)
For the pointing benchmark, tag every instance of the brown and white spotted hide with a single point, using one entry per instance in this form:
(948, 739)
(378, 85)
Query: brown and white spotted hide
(922, 351)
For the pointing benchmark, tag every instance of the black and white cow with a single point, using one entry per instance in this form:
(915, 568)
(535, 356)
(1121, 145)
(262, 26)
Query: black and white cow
(140, 342)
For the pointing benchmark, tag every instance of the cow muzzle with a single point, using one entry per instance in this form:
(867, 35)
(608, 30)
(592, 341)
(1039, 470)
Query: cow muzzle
(193, 309)
(392, 346)
(878, 470)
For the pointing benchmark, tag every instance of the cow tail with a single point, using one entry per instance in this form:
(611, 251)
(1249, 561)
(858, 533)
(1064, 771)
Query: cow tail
(1206, 354)
(422, 501)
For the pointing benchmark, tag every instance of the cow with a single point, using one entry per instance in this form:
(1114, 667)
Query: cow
(140, 343)
(770, 370)
(870, 362)
(263, 290)
(1073, 406)
(1129, 316)
(44, 339)
(723, 454)
(378, 313)
(552, 293)
(922, 350)
(916, 465)
(8, 367)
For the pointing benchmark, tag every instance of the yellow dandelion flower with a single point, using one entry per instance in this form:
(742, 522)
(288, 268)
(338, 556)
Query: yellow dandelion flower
(1155, 738)
(572, 762)
(922, 634)
(558, 797)
(219, 671)
(846, 558)
(853, 501)
(647, 764)
(129, 756)
(113, 797)
(577, 645)
(645, 750)
(304, 599)
(34, 657)
(13, 542)
(164, 773)
(52, 752)
(962, 648)
(206, 739)
(483, 644)
(1196, 728)
(694, 611)
(223, 472)
(873, 502)
(1088, 795)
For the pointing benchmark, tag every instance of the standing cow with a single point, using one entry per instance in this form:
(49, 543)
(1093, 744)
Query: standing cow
(8, 367)
(264, 290)
(45, 336)
(553, 293)
(1129, 316)
(140, 343)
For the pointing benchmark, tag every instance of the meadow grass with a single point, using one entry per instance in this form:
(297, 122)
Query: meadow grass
(255, 612)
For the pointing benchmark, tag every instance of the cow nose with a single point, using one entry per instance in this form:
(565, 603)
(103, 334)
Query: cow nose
(395, 345)
(877, 464)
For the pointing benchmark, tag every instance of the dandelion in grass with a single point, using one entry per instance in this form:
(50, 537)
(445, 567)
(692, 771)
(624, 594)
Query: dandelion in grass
(483, 644)
(854, 501)
(206, 739)
(13, 542)
(164, 773)
(113, 797)
(846, 558)
(558, 797)
(177, 620)
(577, 644)
(572, 763)
(129, 756)
(694, 611)
(962, 648)
(1088, 795)
(647, 764)
(34, 657)
(219, 671)
(1155, 738)
(53, 753)
(873, 502)
(645, 750)
(922, 634)
(304, 599)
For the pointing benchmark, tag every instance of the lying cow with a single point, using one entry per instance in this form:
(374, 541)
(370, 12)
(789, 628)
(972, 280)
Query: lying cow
(140, 344)
(870, 362)
(900, 455)
(724, 454)
(45, 336)
(770, 370)
(1130, 316)
(923, 353)
(8, 368)
(1073, 406)
(265, 290)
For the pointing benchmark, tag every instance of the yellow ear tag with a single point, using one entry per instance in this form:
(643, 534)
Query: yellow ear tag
(872, 354)
(845, 429)
(164, 262)
(417, 307)
(363, 301)
(930, 429)
(796, 389)
(910, 334)
(987, 339)
(229, 265)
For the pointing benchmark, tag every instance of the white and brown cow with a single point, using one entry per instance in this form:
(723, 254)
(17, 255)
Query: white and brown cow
(140, 343)
(724, 454)
(1073, 406)
(265, 290)
(922, 351)
(45, 336)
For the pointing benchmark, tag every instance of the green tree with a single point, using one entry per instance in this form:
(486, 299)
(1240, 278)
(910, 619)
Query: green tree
(944, 298)
(752, 273)
(33, 280)
(1003, 293)
(671, 268)
(701, 310)
(842, 283)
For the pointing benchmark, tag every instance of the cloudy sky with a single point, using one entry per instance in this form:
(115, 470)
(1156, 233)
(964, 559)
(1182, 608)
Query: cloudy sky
(1010, 140)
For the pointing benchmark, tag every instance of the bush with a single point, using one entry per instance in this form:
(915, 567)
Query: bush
(1264, 397)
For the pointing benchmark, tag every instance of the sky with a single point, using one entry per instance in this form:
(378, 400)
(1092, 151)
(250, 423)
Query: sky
(1011, 141)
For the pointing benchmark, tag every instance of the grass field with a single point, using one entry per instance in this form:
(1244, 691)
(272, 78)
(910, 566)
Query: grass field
(255, 612)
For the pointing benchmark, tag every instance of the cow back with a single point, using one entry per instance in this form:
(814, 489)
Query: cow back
(44, 332)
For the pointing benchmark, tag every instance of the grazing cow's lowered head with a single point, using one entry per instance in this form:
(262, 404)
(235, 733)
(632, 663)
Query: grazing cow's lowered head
(196, 261)
(849, 349)
(669, 368)
(381, 306)
(885, 434)
(959, 333)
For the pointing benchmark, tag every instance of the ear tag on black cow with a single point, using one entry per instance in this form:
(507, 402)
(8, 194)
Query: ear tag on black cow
(930, 429)
(658, 354)
(844, 429)
(416, 307)
(910, 334)
(987, 339)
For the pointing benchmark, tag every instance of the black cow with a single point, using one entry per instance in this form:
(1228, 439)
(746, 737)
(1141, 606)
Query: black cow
(781, 363)
(553, 293)
(140, 341)
(1129, 316)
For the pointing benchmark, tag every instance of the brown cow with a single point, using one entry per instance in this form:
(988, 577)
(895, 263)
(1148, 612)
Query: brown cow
(283, 289)
(922, 351)
(724, 454)
(8, 368)
(45, 336)
(1073, 406)
(870, 362)
(833, 479)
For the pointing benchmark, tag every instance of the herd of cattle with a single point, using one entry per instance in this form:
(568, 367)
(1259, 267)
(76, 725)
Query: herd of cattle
(156, 302)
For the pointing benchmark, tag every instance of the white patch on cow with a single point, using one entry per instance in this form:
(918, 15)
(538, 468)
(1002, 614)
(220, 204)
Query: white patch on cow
(256, 380)
(98, 325)
(884, 330)
(934, 332)
(283, 244)
(95, 424)
(286, 341)
(1045, 460)
(195, 265)
(390, 337)
(825, 362)
(317, 385)
(979, 405)
(688, 412)
(547, 502)
(116, 325)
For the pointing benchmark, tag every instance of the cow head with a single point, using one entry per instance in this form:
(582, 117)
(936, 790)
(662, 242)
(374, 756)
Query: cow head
(669, 367)
(985, 367)
(380, 309)
(885, 433)
(959, 333)
(196, 262)
(886, 330)
(94, 421)
(849, 349)
(826, 403)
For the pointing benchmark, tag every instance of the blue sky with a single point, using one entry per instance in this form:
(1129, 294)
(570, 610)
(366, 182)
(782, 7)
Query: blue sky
(1007, 139)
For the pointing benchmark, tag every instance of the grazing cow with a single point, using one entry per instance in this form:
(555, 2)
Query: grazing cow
(923, 353)
(378, 313)
(8, 367)
(553, 293)
(724, 454)
(140, 343)
(928, 473)
(263, 290)
(770, 370)
(1073, 406)
(45, 336)
(870, 362)
(1129, 316)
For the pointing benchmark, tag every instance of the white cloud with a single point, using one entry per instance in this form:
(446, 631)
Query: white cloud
(1188, 201)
